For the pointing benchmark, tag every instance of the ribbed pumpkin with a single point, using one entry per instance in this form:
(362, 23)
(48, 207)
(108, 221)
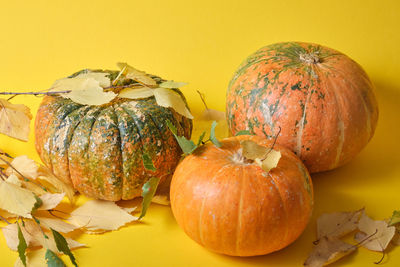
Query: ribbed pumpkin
(232, 206)
(98, 149)
(321, 99)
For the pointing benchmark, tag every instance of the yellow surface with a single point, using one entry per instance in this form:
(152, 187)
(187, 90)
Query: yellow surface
(203, 42)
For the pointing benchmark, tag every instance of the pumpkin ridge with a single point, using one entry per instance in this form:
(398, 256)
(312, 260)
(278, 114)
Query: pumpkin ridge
(240, 214)
(120, 160)
(56, 125)
(283, 206)
(69, 138)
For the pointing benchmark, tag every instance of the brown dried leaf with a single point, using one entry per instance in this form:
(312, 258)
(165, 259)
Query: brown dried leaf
(327, 251)
(98, 215)
(24, 165)
(136, 75)
(15, 120)
(16, 200)
(338, 224)
(252, 150)
(378, 233)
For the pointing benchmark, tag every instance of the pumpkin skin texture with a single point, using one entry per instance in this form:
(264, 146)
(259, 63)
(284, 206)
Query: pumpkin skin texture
(322, 100)
(98, 149)
(234, 207)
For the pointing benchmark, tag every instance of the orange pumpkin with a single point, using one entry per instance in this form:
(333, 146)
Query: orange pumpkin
(322, 100)
(232, 206)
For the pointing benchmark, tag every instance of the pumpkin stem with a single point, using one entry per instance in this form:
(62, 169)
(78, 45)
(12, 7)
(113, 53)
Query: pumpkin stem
(309, 58)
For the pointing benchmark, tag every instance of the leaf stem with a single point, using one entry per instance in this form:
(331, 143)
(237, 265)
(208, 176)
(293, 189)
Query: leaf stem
(34, 93)
(4, 219)
(202, 99)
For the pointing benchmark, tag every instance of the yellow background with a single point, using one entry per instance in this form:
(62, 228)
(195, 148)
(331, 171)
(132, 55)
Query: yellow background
(203, 42)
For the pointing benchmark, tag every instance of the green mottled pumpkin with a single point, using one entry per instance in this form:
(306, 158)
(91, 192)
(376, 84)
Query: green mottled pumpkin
(98, 149)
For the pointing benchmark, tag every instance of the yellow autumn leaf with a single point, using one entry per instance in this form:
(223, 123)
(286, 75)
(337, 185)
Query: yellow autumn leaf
(136, 75)
(172, 84)
(375, 235)
(265, 157)
(93, 96)
(82, 82)
(23, 165)
(13, 179)
(14, 120)
(338, 224)
(136, 93)
(56, 224)
(327, 251)
(100, 215)
(170, 99)
(50, 201)
(16, 200)
(55, 184)
(101, 77)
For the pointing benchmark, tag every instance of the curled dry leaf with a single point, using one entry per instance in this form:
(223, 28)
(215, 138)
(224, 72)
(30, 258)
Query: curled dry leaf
(338, 224)
(378, 233)
(170, 99)
(16, 200)
(50, 201)
(266, 158)
(55, 184)
(136, 75)
(56, 224)
(98, 215)
(23, 165)
(14, 120)
(328, 250)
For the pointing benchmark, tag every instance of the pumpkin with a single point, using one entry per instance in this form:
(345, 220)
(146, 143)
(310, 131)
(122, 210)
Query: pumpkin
(232, 206)
(99, 149)
(320, 100)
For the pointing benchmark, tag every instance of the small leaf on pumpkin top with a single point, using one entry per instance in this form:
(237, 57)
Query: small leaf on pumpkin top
(91, 96)
(149, 189)
(172, 84)
(24, 165)
(50, 201)
(378, 233)
(136, 75)
(213, 138)
(187, 146)
(338, 224)
(15, 120)
(148, 162)
(395, 219)
(327, 251)
(270, 161)
(22, 246)
(136, 93)
(53, 260)
(251, 150)
(101, 77)
(212, 115)
(170, 99)
(16, 200)
(62, 246)
(82, 81)
(100, 215)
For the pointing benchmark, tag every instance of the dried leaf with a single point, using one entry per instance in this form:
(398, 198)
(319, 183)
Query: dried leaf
(13, 179)
(16, 200)
(378, 233)
(56, 224)
(213, 138)
(136, 93)
(91, 96)
(100, 215)
(338, 224)
(270, 161)
(395, 219)
(5, 214)
(170, 99)
(161, 200)
(101, 77)
(136, 75)
(62, 246)
(50, 201)
(212, 115)
(29, 231)
(24, 165)
(58, 186)
(53, 260)
(328, 250)
(172, 84)
(14, 120)
(82, 81)
(252, 150)
(149, 189)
